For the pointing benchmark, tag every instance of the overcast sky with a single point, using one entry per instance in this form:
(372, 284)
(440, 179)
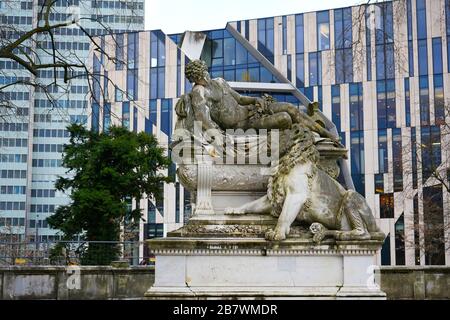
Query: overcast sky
(175, 16)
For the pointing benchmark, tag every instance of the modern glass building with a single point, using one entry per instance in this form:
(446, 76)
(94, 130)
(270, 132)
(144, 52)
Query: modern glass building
(31, 139)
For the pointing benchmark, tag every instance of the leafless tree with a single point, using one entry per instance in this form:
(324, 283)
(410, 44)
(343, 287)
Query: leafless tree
(34, 49)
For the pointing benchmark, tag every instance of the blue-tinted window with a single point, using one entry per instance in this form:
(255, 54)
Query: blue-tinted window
(356, 107)
(266, 38)
(368, 44)
(435, 227)
(416, 229)
(414, 156)
(397, 159)
(411, 58)
(300, 70)
(177, 202)
(265, 75)
(161, 82)
(315, 68)
(421, 19)
(431, 150)
(437, 56)
(151, 212)
(385, 61)
(157, 63)
(336, 106)
(357, 160)
(423, 57)
(447, 15)
(388, 22)
(179, 78)
(96, 84)
(247, 29)
(299, 33)
(386, 251)
(289, 67)
(166, 116)
(228, 59)
(132, 50)
(135, 119)
(386, 104)
(308, 92)
(343, 28)
(407, 103)
(95, 117)
(319, 97)
(384, 31)
(400, 241)
(424, 101)
(153, 112)
(323, 30)
(148, 126)
(106, 116)
(284, 27)
(126, 114)
(338, 29)
(160, 199)
(119, 51)
(132, 84)
(241, 54)
(154, 83)
(229, 48)
(409, 19)
(187, 204)
(439, 107)
(344, 66)
(382, 151)
(381, 104)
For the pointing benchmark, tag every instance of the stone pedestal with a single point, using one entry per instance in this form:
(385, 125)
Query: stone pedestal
(253, 268)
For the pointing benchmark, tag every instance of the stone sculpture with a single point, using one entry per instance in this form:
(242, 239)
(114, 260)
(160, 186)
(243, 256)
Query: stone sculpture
(277, 225)
(302, 186)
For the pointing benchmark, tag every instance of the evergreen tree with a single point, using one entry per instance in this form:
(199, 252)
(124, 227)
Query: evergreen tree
(106, 169)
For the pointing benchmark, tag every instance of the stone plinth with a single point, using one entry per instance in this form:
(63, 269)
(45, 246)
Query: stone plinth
(253, 268)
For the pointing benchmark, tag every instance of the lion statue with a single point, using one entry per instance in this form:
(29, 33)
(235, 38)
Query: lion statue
(299, 190)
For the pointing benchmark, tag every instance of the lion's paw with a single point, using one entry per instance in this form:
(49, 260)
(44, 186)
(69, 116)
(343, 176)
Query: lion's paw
(275, 235)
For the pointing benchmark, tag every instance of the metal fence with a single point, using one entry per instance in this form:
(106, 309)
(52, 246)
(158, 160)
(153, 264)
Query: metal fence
(74, 253)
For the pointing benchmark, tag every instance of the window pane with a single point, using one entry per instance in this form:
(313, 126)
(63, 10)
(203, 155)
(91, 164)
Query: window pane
(437, 56)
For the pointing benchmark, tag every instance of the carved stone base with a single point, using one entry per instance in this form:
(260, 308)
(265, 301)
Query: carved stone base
(251, 268)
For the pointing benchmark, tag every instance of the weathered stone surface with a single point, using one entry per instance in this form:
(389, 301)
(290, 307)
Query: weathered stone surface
(418, 282)
(397, 281)
(244, 267)
(29, 286)
(47, 282)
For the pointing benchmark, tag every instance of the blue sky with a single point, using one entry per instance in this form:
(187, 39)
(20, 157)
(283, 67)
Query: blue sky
(175, 16)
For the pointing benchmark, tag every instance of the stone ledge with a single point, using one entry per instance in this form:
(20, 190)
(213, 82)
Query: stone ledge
(259, 247)
(411, 269)
(272, 293)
